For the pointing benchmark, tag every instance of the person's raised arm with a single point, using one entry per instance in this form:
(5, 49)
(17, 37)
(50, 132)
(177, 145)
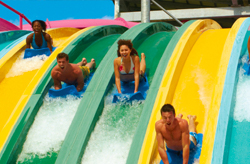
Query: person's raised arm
(137, 72)
(161, 147)
(28, 41)
(80, 81)
(49, 41)
(185, 141)
(117, 76)
(57, 83)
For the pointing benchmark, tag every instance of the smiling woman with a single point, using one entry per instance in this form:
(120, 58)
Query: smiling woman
(127, 65)
(39, 39)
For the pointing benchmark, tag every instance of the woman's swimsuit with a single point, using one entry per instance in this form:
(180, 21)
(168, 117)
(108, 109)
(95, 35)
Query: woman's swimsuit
(34, 45)
(131, 71)
(132, 68)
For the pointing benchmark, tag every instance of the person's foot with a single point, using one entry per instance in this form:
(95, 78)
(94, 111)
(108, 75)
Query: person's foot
(84, 61)
(143, 56)
(179, 115)
(93, 61)
(193, 117)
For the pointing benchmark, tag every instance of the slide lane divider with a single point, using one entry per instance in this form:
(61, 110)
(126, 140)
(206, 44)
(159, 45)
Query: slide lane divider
(92, 103)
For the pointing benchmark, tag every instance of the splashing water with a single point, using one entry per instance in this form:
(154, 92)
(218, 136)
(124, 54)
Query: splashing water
(24, 65)
(242, 105)
(49, 129)
(111, 139)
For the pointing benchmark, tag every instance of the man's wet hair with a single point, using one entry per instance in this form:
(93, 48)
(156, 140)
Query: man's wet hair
(62, 55)
(42, 23)
(167, 108)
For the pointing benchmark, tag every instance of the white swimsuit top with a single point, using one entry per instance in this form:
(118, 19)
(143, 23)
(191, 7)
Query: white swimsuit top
(132, 68)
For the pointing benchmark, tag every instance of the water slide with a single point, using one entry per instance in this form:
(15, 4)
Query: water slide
(231, 143)
(92, 42)
(9, 39)
(193, 82)
(152, 39)
(16, 74)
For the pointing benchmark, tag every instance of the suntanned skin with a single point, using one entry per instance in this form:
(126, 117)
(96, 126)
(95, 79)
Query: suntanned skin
(175, 132)
(69, 73)
(140, 67)
(37, 28)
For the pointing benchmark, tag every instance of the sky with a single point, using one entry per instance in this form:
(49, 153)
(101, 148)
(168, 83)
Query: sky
(57, 9)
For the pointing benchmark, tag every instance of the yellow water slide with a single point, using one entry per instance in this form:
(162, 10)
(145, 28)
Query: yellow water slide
(193, 83)
(13, 88)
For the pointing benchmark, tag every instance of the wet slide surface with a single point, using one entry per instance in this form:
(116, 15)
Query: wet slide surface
(232, 139)
(193, 83)
(15, 76)
(10, 38)
(117, 122)
(42, 142)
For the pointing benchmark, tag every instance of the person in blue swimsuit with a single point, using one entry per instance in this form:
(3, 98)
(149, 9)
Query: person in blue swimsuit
(179, 136)
(127, 65)
(39, 39)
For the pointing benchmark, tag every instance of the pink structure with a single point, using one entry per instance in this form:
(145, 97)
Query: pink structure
(83, 23)
(7, 26)
(75, 23)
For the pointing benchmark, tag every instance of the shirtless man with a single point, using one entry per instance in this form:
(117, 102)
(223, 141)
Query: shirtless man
(72, 74)
(175, 132)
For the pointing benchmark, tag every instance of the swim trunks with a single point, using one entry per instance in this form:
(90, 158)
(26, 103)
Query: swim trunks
(85, 70)
(35, 46)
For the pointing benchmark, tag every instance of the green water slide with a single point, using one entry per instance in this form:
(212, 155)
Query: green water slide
(93, 43)
(10, 38)
(150, 38)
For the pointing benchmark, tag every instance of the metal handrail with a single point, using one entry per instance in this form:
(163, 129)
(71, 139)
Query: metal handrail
(20, 15)
(167, 12)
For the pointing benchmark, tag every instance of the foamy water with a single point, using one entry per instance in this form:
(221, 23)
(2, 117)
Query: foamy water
(112, 137)
(25, 65)
(49, 128)
(242, 105)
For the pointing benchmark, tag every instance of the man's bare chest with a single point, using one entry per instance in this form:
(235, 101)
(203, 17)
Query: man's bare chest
(174, 135)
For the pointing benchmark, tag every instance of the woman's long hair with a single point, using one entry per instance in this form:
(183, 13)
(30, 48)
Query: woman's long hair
(127, 43)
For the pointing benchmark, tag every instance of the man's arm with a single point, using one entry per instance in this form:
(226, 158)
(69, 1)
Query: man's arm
(185, 141)
(28, 41)
(57, 83)
(80, 81)
(161, 147)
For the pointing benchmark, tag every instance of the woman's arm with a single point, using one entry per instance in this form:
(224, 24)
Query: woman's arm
(137, 72)
(117, 76)
(28, 40)
(49, 41)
